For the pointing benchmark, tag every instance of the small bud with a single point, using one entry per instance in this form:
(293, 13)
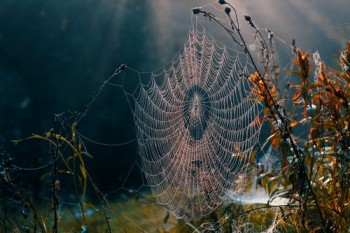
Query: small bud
(250, 20)
(196, 10)
(247, 17)
(221, 2)
(227, 10)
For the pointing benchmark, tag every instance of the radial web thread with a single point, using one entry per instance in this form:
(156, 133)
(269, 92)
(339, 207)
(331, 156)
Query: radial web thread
(194, 122)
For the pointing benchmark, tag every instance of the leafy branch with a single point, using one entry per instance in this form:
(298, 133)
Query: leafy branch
(325, 107)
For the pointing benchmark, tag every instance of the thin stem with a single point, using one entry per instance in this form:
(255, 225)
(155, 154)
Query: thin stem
(277, 111)
(212, 17)
(54, 187)
(237, 21)
(98, 92)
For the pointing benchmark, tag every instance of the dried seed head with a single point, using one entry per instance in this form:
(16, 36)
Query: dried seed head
(196, 10)
(227, 10)
(222, 2)
(250, 20)
(247, 17)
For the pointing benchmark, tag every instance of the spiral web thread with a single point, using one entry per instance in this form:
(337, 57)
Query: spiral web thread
(195, 125)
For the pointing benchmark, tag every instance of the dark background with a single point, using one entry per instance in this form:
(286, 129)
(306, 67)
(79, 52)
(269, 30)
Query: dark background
(54, 54)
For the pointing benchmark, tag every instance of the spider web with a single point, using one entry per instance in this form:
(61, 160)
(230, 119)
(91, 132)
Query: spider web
(195, 125)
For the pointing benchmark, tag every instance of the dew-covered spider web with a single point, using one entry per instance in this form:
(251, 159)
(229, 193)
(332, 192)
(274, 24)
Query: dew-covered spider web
(195, 124)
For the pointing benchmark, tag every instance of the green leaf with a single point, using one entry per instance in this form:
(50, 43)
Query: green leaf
(83, 171)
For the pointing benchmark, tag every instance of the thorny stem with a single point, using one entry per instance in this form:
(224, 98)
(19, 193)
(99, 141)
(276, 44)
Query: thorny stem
(277, 107)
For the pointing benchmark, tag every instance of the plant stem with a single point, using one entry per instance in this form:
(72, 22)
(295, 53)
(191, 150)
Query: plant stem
(98, 92)
(277, 108)
(55, 183)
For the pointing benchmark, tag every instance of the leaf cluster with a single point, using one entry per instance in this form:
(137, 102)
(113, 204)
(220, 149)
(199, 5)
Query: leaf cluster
(317, 181)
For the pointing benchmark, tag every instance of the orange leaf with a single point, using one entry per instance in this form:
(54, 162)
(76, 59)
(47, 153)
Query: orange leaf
(295, 86)
(295, 123)
(296, 96)
(275, 141)
(304, 112)
(313, 133)
(258, 121)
